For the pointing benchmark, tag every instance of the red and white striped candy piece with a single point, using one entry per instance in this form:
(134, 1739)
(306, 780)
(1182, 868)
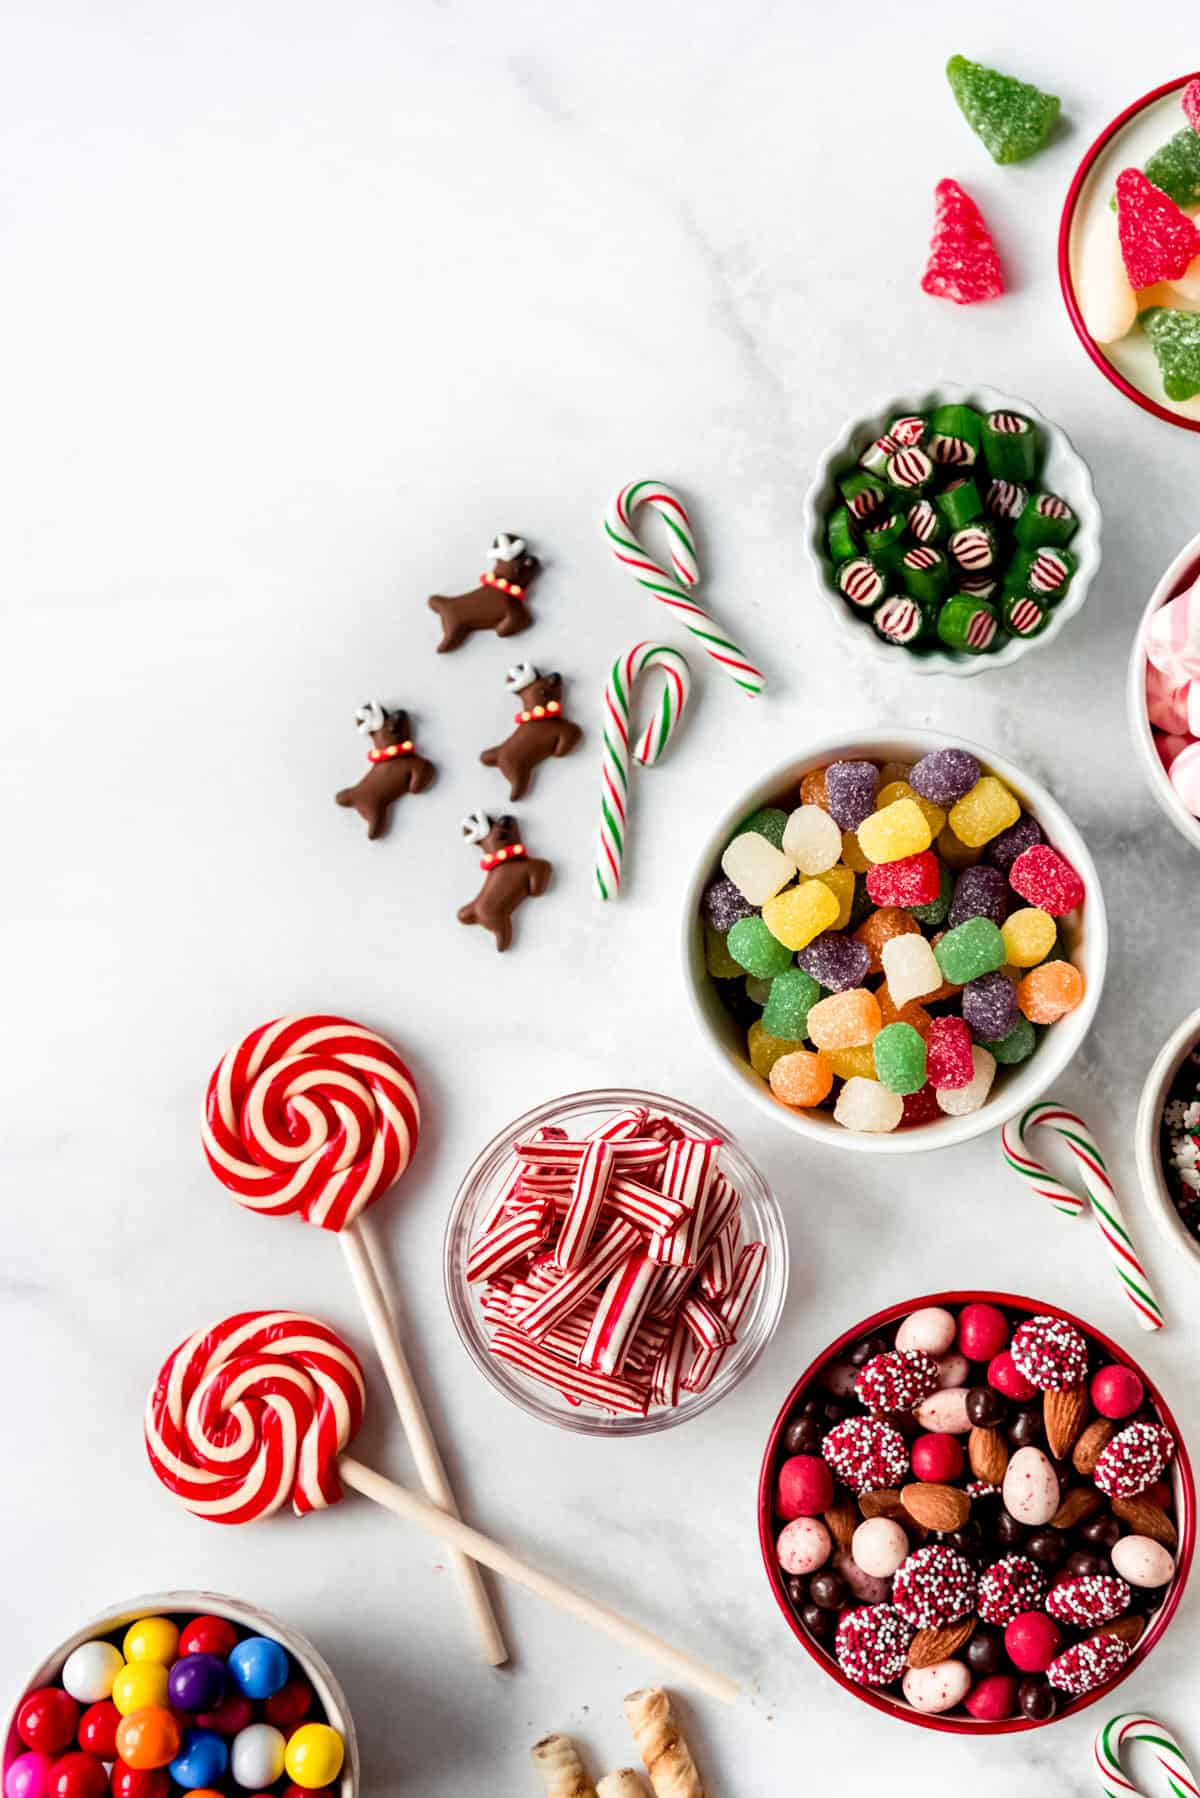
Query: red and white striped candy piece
(981, 629)
(732, 1310)
(588, 1194)
(861, 582)
(1025, 616)
(909, 468)
(899, 619)
(619, 1315)
(313, 1115)
(971, 547)
(252, 1413)
(509, 1242)
(1047, 572)
(907, 430)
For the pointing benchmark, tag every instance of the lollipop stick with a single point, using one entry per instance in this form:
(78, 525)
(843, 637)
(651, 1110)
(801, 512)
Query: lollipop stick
(404, 1503)
(428, 1461)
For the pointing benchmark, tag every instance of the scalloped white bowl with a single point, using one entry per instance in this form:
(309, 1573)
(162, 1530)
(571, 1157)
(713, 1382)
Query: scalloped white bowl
(1063, 471)
(1182, 570)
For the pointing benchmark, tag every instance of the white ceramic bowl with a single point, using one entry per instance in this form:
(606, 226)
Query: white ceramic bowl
(213, 1604)
(1149, 1161)
(1015, 1087)
(1064, 472)
(1182, 571)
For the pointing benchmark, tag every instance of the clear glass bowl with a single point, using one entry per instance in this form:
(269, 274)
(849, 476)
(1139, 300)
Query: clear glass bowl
(577, 1113)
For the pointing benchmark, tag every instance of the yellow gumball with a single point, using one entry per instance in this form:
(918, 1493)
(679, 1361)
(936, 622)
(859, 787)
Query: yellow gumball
(151, 1639)
(140, 1686)
(314, 1755)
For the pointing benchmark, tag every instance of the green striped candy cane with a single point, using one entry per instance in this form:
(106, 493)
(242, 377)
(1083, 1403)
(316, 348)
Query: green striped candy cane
(1175, 1777)
(642, 659)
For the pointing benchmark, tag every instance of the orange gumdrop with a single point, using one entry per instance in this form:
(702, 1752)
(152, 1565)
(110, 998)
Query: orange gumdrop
(845, 1020)
(802, 1078)
(812, 789)
(880, 928)
(1050, 992)
(913, 1012)
(148, 1738)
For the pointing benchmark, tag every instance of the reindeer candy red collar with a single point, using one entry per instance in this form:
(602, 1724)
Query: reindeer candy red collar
(542, 730)
(396, 769)
(497, 603)
(511, 875)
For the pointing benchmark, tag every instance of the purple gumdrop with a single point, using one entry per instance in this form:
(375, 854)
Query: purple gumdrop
(979, 892)
(944, 775)
(1003, 850)
(723, 905)
(836, 962)
(989, 1007)
(850, 788)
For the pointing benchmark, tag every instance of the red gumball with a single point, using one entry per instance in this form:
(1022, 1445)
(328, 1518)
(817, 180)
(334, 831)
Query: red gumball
(293, 1701)
(992, 1699)
(98, 1729)
(982, 1332)
(139, 1782)
(47, 1720)
(1032, 1640)
(231, 1717)
(937, 1458)
(1004, 1374)
(1116, 1391)
(209, 1635)
(805, 1487)
(295, 1791)
(78, 1776)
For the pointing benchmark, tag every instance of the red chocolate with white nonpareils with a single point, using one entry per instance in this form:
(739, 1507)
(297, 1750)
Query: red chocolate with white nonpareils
(934, 1586)
(1010, 1586)
(1085, 1665)
(866, 1454)
(1133, 1460)
(896, 1380)
(872, 1644)
(1050, 1352)
(1088, 1602)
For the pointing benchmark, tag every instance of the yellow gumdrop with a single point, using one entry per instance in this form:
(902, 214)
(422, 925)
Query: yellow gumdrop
(1029, 936)
(764, 1050)
(984, 812)
(852, 853)
(900, 789)
(794, 918)
(956, 854)
(717, 959)
(898, 830)
(840, 882)
(849, 1064)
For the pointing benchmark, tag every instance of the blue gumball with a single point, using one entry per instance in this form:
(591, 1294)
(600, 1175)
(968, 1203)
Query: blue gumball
(259, 1666)
(202, 1760)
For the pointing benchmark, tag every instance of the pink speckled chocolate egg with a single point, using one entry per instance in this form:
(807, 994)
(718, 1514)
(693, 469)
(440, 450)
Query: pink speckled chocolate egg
(930, 1331)
(803, 1545)
(1030, 1489)
(878, 1546)
(1141, 1561)
(936, 1688)
(945, 1412)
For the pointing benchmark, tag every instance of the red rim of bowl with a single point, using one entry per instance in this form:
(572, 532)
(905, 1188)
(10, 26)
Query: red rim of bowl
(1064, 262)
(766, 1530)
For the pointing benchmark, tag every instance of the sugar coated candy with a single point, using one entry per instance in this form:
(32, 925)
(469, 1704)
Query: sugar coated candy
(1003, 850)
(723, 905)
(868, 1106)
(1029, 936)
(899, 1053)
(845, 1020)
(756, 948)
(851, 789)
(837, 962)
(970, 950)
(989, 1007)
(911, 968)
(850, 1064)
(945, 775)
(1175, 168)
(793, 995)
(798, 915)
(717, 959)
(960, 1100)
(1190, 101)
(813, 790)
(909, 1013)
(758, 989)
(963, 265)
(984, 812)
(768, 821)
(841, 884)
(852, 854)
(764, 1049)
(954, 852)
(812, 839)
(899, 830)
(882, 925)
(1046, 879)
(1175, 339)
(802, 1078)
(1017, 1046)
(979, 892)
(938, 909)
(948, 1054)
(756, 867)
(1050, 991)
(913, 880)
(1011, 118)
(1158, 240)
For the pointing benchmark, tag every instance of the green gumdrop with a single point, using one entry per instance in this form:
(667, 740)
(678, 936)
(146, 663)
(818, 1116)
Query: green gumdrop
(1018, 1045)
(900, 1058)
(768, 821)
(765, 1050)
(717, 959)
(1175, 169)
(793, 994)
(756, 951)
(1175, 338)
(1013, 119)
(937, 911)
(971, 949)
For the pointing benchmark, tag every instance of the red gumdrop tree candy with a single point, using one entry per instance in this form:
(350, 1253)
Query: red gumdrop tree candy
(1116, 1391)
(47, 1720)
(1004, 1374)
(1032, 1640)
(805, 1487)
(1191, 103)
(982, 1332)
(992, 1699)
(963, 265)
(937, 1458)
(1158, 241)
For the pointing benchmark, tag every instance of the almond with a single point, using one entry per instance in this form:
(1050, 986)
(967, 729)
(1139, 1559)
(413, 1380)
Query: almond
(884, 1503)
(1064, 1415)
(936, 1507)
(929, 1646)
(987, 1452)
(841, 1520)
(1080, 1503)
(1091, 1445)
(1129, 1629)
(1146, 1519)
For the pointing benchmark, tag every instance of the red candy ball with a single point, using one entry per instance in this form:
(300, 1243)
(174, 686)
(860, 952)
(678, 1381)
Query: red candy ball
(293, 1701)
(937, 1458)
(139, 1782)
(98, 1729)
(805, 1487)
(47, 1720)
(992, 1699)
(231, 1716)
(1160, 1494)
(982, 1332)
(209, 1635)
(1004, 1374)
(1032, 1640)
(78, 1776)
(1116, 1391)
(295, 1791)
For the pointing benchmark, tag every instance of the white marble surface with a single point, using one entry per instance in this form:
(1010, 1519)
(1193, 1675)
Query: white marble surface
(302, 303)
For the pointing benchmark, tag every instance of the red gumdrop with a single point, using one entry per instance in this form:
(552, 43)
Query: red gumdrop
(1045, 878)
(1116, 1391)
(47, 1720)
(982, 1332)
(920, 1107)
(209, 1635)
(78, 1776)
(992, 1699)
(293, 1701)
(913, 880)
(1004, 1374)
(1158, 241)
(1191, 103)
(231, 1716)
(139, 1782)
(948, 1059)
(805, 1487)
(963, 265)
(937, 1458)
(98, 1729)
(1032, 1640)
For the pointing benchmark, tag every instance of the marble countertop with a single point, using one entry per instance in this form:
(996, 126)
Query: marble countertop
(302, 306)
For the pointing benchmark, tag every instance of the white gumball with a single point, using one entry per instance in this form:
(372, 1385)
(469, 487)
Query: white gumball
(256, 1756)
(90, 1670)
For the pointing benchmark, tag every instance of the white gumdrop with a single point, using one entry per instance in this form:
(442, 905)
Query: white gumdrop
(868, 1106)
(757, 869)
(1106, 299)
(911, 968)
(812, 840)
(956, 1103)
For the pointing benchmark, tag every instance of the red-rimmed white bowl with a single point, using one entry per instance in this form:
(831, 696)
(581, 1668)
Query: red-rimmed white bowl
(1131, 137)
(1179, 576)
(1182, 1482)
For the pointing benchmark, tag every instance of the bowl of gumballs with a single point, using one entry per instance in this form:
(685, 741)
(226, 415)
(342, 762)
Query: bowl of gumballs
(1163, 692)
(976, 1512)
(1167, 1136)
(894, 943)
(957, 528)
(181, 1692)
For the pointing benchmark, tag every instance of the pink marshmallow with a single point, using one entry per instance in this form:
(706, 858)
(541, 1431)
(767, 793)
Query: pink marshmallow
(1166, 704)
(1173, 637)
(1184, 775)
(1169, 747)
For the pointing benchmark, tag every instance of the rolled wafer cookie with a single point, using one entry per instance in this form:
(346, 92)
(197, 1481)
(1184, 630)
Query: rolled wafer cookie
(667, 1756)
(625, 1783)
(557, 1760)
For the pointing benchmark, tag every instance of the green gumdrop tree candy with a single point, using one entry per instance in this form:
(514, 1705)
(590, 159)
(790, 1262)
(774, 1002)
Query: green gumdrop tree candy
(1175, 338)
(1176, 168)
(1012, 119)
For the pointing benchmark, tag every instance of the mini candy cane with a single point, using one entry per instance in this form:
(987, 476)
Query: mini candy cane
(1177, 1777)
(618, 705)
(673, 589)
(1096, 1185)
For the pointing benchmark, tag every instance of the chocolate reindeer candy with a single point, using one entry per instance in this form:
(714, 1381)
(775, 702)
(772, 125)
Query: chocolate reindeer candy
(510, 874)
(541, 731)
(395, 767)
(497, 603)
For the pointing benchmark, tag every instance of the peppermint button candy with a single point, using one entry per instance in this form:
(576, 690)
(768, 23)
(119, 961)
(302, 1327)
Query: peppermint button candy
(1048, 572)
(1023, 616)
(910, 468)
(899, 620)
(965, 622)
(1005, 500)
(861, 582)
(973, 548)
(1051, 1353)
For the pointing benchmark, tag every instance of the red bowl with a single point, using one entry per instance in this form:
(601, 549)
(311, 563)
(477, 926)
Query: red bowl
(1095, 350)
(1181, 1478)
